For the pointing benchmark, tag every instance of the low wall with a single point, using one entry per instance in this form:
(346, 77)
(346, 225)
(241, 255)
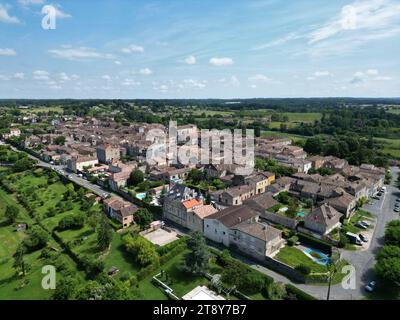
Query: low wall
(278, 219)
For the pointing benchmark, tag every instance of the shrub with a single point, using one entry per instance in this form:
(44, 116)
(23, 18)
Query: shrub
(293, 240)
(303, 269)
(343, 241)
(300, 295)
(73, 221)
(315, 243)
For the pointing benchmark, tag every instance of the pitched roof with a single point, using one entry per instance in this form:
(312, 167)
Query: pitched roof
(324, 215)
(234, 215)
(261, 202)
(259, 230)
(188, 204)
(204, 211)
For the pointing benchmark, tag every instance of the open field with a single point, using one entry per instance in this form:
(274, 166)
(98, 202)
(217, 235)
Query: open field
(390, 146)
(42, 109)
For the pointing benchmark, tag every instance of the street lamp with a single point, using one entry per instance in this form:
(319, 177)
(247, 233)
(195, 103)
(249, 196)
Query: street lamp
(332, 268)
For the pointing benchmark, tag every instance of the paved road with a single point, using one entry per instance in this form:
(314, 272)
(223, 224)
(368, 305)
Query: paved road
(96, 189)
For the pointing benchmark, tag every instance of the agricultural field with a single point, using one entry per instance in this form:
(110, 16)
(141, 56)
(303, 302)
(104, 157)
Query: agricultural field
(390, 146)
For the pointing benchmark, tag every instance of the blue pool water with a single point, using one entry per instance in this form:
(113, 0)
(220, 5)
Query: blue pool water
(141, 196)
(301, 214)
(323, 260)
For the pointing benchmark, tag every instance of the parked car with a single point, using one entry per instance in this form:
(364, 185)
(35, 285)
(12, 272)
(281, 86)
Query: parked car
(363, 238)
(353, 238)
(366, 223)
(370, 287)
(361, 225)
(398, 200)
(396, 209)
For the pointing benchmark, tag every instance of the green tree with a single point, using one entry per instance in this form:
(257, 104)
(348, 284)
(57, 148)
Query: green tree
(11, 213)
(60, 140)
(392, 233)
(136, 177)
(22, 165)
(104, 234)
(143, 218)
(314, 145)
(195, 175)
(196, 261)
(19, 262)
(388, 264)
(142, 250)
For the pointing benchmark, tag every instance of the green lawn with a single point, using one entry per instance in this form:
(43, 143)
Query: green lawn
(180, 282)
(119, 258)
(295, 257)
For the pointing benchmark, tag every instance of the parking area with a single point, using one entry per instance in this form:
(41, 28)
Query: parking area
(161, 237)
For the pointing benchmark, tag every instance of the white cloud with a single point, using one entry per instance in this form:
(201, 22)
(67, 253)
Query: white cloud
(232, 81)
(106, 77)
(190, 60)
(5, 16)
(7, 52)
(191, 83)
(130, 83)
(145, 72)
(19, 75)
(221, 61)
(30, 2)
(382, 78)
(4, 78)
(322, 74)
(81, 53)
(277, 42)
(259, 78)
(117, 62)
(41, 75)
(133, 48)
(378, 16)
(59, 13)
(65, 77)
(372, 72)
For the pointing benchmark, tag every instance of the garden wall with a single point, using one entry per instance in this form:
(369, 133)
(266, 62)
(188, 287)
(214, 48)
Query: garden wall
(278, 219)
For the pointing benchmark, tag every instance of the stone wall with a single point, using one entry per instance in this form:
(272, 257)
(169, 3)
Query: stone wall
(278, 219)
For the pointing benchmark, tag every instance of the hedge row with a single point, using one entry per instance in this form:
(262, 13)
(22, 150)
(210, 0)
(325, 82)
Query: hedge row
(300, 295)
(315, 243)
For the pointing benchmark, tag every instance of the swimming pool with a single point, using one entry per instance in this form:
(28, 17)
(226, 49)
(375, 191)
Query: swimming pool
(141, 196)
(317, 256)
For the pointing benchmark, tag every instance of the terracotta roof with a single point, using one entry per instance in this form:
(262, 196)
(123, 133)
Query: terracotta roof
(191, 203)
(204, 211)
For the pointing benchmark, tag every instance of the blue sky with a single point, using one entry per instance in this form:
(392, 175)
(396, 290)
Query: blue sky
(200, 49)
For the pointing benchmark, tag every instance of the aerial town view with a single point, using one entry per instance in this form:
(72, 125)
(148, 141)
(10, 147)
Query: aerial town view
(184, 151)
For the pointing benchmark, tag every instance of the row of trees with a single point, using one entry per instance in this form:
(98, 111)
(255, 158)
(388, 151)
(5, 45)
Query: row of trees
(388, 258)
